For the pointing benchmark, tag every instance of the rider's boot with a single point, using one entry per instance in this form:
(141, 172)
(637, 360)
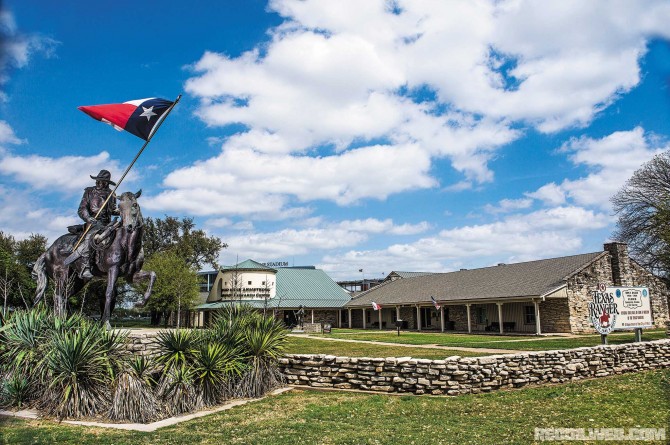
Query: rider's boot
(86, 273)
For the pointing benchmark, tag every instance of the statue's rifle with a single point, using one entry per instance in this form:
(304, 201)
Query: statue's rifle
(74, 256)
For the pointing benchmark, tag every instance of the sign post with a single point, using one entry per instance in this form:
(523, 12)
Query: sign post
(620, 308)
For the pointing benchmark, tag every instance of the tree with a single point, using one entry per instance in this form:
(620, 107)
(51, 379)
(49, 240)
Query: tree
(179, 236)
(16, 261)
(643, 209)
(176, 287)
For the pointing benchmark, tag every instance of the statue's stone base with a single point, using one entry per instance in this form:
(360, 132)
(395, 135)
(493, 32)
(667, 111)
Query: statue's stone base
(312, 328)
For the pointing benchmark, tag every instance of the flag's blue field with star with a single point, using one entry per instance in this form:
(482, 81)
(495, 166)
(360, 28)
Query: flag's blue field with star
(375, 136)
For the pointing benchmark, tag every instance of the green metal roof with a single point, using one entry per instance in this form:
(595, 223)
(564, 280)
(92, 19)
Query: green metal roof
(249, 265)
(311, 288)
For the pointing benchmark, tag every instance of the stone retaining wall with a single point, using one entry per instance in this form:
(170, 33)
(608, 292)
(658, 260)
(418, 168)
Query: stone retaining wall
(466, 375)
(140, 342)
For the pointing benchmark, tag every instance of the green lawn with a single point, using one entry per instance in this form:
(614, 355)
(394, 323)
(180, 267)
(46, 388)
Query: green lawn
(311, 417)
(302, 345)
(491, 341)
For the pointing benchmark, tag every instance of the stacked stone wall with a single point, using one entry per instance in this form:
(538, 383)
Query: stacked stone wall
(553, 315)
(471, 375)
(141, 343)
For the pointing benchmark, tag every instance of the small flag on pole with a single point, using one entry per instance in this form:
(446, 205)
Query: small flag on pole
(140, 117)
(376, 306)
(437, 306)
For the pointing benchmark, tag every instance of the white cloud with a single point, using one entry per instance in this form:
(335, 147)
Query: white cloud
(247, 182)
(550, 194)
(7, 135)
(317, 236)
(509, 205)
(611, 161)
(22, 215)
(18, 48)
(64, 173)
(520, 237)
(430, 79)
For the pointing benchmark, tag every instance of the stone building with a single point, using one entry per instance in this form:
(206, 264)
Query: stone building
(282, 290)
(541, 296)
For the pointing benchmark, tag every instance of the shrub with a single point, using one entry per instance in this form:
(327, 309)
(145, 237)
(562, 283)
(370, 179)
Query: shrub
(79, 373)
(216, 367)
(134, 399)
(265, 339)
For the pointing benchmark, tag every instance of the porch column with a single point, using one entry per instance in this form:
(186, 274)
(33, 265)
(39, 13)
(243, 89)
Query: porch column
(467, 310)
(500, 318)
(397, 312)
(442, 318)
(339, 318)
(312, 316)
(349, 319)
(363, 318)
(537, 317)
(380, 318)
(418, 318)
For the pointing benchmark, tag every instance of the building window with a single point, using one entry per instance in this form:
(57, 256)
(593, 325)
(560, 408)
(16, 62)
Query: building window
(480, 315)
(249, 283)
(263, 283)
(529, 314)
(367, 317)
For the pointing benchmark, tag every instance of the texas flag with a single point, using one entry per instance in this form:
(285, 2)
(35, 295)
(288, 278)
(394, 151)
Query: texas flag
(139, 117)
(376, 306)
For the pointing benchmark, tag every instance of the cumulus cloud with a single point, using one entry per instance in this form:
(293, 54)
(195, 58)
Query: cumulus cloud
(519, 237)
(7, 135)
(610, 160)
(404, 85)
(17, 48)
(63, 173)
(23, 214)
(316, 236)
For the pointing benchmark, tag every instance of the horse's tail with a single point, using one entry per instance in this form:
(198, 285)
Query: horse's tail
(40, 275)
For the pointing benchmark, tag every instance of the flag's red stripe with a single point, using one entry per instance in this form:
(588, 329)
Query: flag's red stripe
(118, 114)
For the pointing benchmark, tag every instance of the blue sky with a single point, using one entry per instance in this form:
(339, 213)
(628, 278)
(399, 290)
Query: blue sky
(377, 135)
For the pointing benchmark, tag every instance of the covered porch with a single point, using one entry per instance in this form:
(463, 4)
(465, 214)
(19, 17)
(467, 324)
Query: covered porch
(496, 317)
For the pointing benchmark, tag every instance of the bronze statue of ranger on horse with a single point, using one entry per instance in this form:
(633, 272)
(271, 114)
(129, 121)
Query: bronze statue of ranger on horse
(106, 248)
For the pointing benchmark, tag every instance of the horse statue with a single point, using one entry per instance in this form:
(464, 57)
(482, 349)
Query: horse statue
(121, 255)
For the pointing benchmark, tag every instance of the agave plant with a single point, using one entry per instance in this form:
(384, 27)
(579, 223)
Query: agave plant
(79, 373)
(215, 368)
(265, 340)
(134, 399)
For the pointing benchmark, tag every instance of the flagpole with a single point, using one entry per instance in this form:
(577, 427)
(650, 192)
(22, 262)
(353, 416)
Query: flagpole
(104, 204)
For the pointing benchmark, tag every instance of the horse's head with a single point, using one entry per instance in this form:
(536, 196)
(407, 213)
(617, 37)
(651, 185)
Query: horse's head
(131, 215)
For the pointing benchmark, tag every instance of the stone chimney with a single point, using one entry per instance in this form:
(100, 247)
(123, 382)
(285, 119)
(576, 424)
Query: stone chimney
(621, 268)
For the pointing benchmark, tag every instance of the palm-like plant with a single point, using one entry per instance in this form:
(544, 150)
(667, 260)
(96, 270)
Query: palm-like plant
(134, 399)
(174, 349)
(215, 368)
(265, 340)
(79, 373)
(177, 391)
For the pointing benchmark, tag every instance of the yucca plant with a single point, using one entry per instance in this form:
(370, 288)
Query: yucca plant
(134, 399)
(25, 334)
(216, 368)
(175, 349)
(265, 340)
(79, 373)
(15, 391)
(178, 392)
